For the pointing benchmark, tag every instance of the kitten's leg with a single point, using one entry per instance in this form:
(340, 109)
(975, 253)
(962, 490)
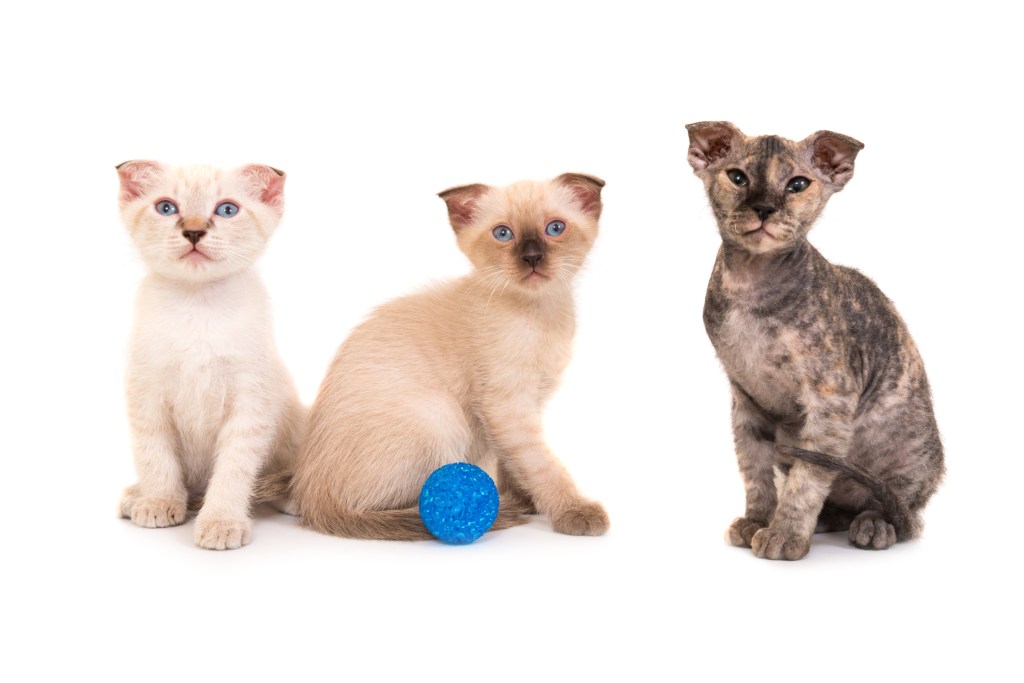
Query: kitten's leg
(755, 452)
(243, 446)
(827, 428)
(531, 466)
(159, 499)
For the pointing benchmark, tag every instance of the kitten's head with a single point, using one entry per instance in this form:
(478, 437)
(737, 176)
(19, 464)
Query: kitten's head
(767, 191)
(528, 235)
(197, 223)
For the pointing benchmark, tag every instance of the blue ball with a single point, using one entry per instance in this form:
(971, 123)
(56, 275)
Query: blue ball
(459, 503)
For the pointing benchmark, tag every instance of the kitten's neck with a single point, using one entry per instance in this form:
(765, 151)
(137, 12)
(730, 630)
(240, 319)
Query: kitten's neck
(555, 302)
(746, 269)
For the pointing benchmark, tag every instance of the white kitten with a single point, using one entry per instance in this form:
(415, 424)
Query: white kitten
(209, 401)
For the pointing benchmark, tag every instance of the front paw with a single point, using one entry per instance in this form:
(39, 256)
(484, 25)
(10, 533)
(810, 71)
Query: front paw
(583, 519)
(222, 534)
(742, 530)
(774, 544)
(871, 531)
(152, 512)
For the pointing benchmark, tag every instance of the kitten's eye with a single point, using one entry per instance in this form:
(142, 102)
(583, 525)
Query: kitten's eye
(226, 209)
(737, 176)
(798, 184)
(502, 233)
(555, 228)
(166, 208)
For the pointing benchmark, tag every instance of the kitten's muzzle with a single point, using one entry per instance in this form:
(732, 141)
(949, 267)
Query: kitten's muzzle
(532, 253)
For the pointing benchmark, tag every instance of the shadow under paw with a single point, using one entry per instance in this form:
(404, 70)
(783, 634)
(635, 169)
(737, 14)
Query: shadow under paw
(871, 531)
(222, 534)
(742, 530)
(773, 544)
(585, 519)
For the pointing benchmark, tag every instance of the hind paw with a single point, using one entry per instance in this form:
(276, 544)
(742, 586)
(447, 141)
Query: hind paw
(742, 530)
(871, 531)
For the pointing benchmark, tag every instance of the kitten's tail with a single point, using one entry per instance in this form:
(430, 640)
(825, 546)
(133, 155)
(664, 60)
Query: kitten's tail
(397, 525)
(393, 525)
(902, 519)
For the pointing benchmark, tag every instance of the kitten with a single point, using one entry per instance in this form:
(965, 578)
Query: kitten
(209, 401)
(827, 384)
(459, 372)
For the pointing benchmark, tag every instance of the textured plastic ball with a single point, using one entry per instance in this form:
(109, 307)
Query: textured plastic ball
(459, 503)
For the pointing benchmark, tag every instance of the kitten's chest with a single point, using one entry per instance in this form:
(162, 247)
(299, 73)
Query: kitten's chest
(193, 350)
(763, 357)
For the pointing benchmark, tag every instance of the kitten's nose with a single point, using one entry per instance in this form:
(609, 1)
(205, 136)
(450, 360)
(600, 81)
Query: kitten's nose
(193, 236)
(764, 211)
(531, 253)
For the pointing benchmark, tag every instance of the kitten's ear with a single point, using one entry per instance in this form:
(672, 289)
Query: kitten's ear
(267, 184)
(710, 142)
(462, 203)
(137, 177)
(833, 155)
(585, 189)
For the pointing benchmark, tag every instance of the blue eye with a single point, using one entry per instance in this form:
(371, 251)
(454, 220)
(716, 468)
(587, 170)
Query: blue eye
(226, 209)
(502, 233)
(555, 228)
(166, 208)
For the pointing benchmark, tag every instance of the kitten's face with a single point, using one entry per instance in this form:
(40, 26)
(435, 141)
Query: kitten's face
(197, 223)
(530, 235)
(766, 192)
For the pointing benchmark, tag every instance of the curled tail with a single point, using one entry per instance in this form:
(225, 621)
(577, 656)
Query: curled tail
(394, 525)
(902, 519)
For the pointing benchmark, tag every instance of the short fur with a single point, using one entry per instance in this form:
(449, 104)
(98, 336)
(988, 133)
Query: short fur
(460, 372)
(827, 384)
(209, 401)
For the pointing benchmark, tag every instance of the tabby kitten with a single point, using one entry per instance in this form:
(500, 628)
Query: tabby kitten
(209, 401)
(827, 384)
(459, 372)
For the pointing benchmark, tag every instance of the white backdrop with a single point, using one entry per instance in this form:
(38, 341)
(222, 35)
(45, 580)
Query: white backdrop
(372, 112)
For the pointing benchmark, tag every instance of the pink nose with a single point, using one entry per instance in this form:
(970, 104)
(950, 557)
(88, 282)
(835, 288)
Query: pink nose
(194, 223)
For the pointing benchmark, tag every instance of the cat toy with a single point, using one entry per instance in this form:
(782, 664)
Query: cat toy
(458, 503)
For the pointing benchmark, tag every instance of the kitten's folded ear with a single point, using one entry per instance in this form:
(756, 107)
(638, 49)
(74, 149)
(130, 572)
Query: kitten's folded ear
(462, 203)
(585, 189)
(833, 155)
(137, 177)
(711, 142)
(267, 184)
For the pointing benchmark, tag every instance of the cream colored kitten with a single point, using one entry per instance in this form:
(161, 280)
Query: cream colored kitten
(460, 372)
(209, 401)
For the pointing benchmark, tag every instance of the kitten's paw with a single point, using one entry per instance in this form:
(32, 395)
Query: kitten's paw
(222, 534)
(773, 544)
(742, 530)
(871, 531)
(584, 519)
(152, 513)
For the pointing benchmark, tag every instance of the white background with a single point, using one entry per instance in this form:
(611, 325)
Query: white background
(372, 112)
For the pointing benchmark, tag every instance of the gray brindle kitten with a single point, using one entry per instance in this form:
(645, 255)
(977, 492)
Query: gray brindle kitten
(829, 391)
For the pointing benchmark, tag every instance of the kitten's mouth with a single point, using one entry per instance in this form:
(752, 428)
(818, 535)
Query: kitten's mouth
(194, 256)
(759, 231)
(534, 275)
